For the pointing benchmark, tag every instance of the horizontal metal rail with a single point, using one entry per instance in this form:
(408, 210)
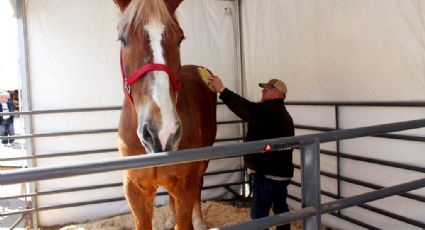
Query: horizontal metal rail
(71, 133)
(389, 136)
(76, 204)
(87, 152)
(354, 103)
(52, 111)
(373, 209)
(315, 128)
(225, 171)
(392, 136)
(342, 216)
(366, 184)
(230, 122)
(376, 161)
(85, 132)
(354, 221)
(296, 103)
(285, 218)
(229, 139)
(356, 132)
(402, 137)
(372, 186)
(100, 186)
(60, 191)
(393, 216)
(375, 195)
(63, 154)
(100, 201)
(216, 152)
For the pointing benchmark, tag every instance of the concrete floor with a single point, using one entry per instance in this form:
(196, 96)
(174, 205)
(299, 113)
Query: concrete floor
(16, 204)
(10, 205)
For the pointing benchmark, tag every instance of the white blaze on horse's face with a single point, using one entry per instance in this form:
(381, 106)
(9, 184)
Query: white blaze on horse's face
(170, 121)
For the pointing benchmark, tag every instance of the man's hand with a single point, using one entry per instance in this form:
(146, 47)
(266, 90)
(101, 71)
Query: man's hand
(216, 83)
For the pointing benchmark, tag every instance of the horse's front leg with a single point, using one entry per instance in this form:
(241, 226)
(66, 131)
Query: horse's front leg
(198, 180)
(140, 199)
(197, 220)
(184, 200)
(184, 207)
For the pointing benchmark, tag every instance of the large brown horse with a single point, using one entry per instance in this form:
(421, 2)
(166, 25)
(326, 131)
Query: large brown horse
(167, 107)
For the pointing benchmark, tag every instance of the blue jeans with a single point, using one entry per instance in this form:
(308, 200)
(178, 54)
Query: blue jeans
(7, 129)
(269, 194)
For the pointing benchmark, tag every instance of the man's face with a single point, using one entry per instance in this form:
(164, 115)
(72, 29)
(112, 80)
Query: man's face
(3, 98)
(270, 93)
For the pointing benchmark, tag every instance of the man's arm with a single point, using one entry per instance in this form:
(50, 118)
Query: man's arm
(243, 108)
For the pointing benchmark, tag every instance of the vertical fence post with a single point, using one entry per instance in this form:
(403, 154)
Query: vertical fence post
(338, 157)
(310, 186)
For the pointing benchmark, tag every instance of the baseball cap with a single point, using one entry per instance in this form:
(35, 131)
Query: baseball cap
(4, 93)
(275, 83)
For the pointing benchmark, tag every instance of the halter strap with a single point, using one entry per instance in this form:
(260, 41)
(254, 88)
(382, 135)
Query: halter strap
(128, 81)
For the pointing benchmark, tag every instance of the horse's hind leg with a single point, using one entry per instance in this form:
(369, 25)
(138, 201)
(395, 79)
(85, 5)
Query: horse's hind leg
(141, 204)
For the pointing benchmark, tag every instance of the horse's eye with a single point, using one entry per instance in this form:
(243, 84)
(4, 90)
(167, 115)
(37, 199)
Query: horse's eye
(123, 40)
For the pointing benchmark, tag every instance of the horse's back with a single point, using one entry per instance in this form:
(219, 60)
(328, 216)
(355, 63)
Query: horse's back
(197, 108)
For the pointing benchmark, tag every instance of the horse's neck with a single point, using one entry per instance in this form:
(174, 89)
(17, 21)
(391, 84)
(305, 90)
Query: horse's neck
(197, 109)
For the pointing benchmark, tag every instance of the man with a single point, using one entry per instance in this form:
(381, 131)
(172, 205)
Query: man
(6, 121)
(267, 119)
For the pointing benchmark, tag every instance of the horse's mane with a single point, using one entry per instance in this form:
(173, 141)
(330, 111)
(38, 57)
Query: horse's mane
(140, 12)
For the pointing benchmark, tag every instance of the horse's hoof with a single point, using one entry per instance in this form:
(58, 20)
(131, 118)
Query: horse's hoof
(199, 225)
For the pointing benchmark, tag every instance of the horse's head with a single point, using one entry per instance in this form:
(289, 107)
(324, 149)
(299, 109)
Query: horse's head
(150, 56)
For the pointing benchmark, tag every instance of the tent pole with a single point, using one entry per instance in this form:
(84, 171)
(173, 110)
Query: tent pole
(25, 99)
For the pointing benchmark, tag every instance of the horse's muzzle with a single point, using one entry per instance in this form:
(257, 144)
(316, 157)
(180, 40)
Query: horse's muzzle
(150, 138)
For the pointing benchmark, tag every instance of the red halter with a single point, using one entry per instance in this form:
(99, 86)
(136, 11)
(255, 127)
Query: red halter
(128, 81)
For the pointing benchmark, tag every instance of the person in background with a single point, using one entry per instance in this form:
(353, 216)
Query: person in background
(268, 119)
(6, 121)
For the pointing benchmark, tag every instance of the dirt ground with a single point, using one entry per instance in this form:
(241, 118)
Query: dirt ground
(216, 214)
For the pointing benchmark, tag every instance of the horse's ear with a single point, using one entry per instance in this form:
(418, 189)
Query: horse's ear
(122, 4)
(173, 4)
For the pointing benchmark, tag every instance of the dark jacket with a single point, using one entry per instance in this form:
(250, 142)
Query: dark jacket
(11, 108)
(266, 120)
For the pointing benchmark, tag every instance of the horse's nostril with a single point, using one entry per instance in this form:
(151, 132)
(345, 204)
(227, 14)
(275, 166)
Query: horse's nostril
(173, 140)
(147, 134)
(149, 138)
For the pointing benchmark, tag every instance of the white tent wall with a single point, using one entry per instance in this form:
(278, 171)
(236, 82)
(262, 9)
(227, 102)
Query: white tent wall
(345, 50)
(333, 50)
(73, 56)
